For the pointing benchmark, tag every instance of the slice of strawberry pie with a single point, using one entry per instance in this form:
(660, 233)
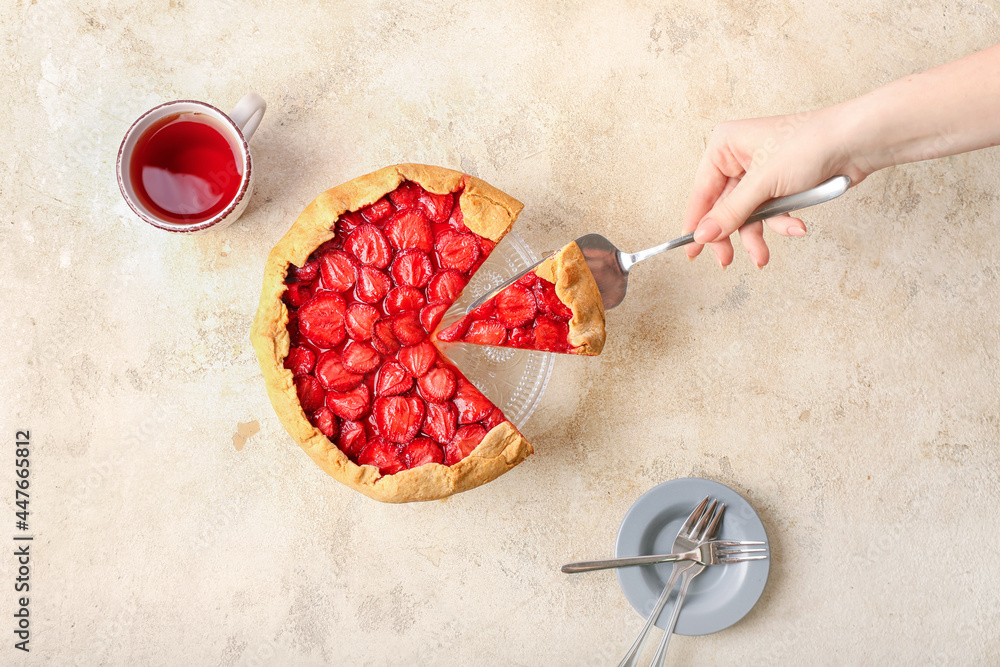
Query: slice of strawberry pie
(555, 308)
(351, 296)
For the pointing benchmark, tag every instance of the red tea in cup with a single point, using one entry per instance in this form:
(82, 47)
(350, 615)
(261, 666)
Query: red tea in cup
(185, 168)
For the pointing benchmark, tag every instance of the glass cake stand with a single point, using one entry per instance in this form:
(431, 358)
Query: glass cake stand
(514, 380)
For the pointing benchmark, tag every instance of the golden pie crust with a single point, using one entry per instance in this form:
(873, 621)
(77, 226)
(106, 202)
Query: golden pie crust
(576, 287)
(487, 212)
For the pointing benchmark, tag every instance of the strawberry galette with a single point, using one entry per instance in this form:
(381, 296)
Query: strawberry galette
(556, 308)
(351, 296)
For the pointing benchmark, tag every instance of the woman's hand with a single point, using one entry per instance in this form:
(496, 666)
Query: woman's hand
(750, 161)
(947, 110)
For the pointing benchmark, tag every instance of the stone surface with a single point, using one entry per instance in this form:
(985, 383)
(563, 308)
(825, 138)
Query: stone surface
(850, 390)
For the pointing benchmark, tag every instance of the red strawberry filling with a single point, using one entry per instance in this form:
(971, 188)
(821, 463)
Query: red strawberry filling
(361, 310)
(527, 315)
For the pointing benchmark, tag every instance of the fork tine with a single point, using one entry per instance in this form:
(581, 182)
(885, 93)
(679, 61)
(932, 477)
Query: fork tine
(699, 526)
(735, 552)
(740, 559)
(710, 529)
(693, 518)
(737, 543)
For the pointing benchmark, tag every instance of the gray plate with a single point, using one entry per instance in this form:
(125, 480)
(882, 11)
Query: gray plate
(722, 594)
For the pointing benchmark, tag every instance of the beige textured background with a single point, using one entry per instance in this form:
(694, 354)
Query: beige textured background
(849, 390)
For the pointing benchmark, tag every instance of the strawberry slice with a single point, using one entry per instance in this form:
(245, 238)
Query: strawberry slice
(516, 306)
(440, 423)
(326, 423)
(523, 337)
(378, 211)
(431, 314)
(485, 311)
(437, 385)
(445, 286)
(338, 271)
(405, 196)
(437, 207)
(398, 418)
(457, 250)
(347, 223)
(421, 451)
(392, 380)
(372, 285)
(332, 375)
(351, 404)
(360, 318)
(383, 339)
(412, 267)
(455, 331)
(305, 273)
(385, 456)
(486, 246)
(369, 245)
(408, 329)
(548, 300)
(300, 360)
(456, 219)
(403, 299)
(310, 392)
(352, 438)
(528, 279)
(472, 405)
(294, 335)
(486, 332)
(466, 439)
(551, 334)
(321, 319)
(418, 359)
(297, 294)
(326, 246)
(410, 229)
(360, 357)
(495, 419)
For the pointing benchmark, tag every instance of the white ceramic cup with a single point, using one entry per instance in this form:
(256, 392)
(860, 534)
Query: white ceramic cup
(241, 123)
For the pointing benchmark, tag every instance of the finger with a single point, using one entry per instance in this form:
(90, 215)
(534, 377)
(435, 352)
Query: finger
(723, 251)
(786, 225)
(730, 211)
(709, 183)
(752, 236)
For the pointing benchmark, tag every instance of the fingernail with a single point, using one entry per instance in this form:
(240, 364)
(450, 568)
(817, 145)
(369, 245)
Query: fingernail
(707, 232)
(720, 263)
(796, 231)
(690, 258)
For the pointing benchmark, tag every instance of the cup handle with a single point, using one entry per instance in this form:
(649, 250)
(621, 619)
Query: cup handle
(247, 114)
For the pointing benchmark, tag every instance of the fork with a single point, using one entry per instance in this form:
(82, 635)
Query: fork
(668, 632)
(699, 527)
(715, 552)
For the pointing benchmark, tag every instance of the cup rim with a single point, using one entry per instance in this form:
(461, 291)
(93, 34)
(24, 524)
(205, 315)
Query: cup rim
(219, 115)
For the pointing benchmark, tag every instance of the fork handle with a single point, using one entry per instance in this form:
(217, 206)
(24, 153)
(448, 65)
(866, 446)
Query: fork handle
(661, 651)
(610, 563)
(631, 658)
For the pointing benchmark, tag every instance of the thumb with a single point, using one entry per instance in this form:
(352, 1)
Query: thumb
(730, 212)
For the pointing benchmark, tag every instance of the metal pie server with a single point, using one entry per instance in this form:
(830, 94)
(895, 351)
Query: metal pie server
(611, 266)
